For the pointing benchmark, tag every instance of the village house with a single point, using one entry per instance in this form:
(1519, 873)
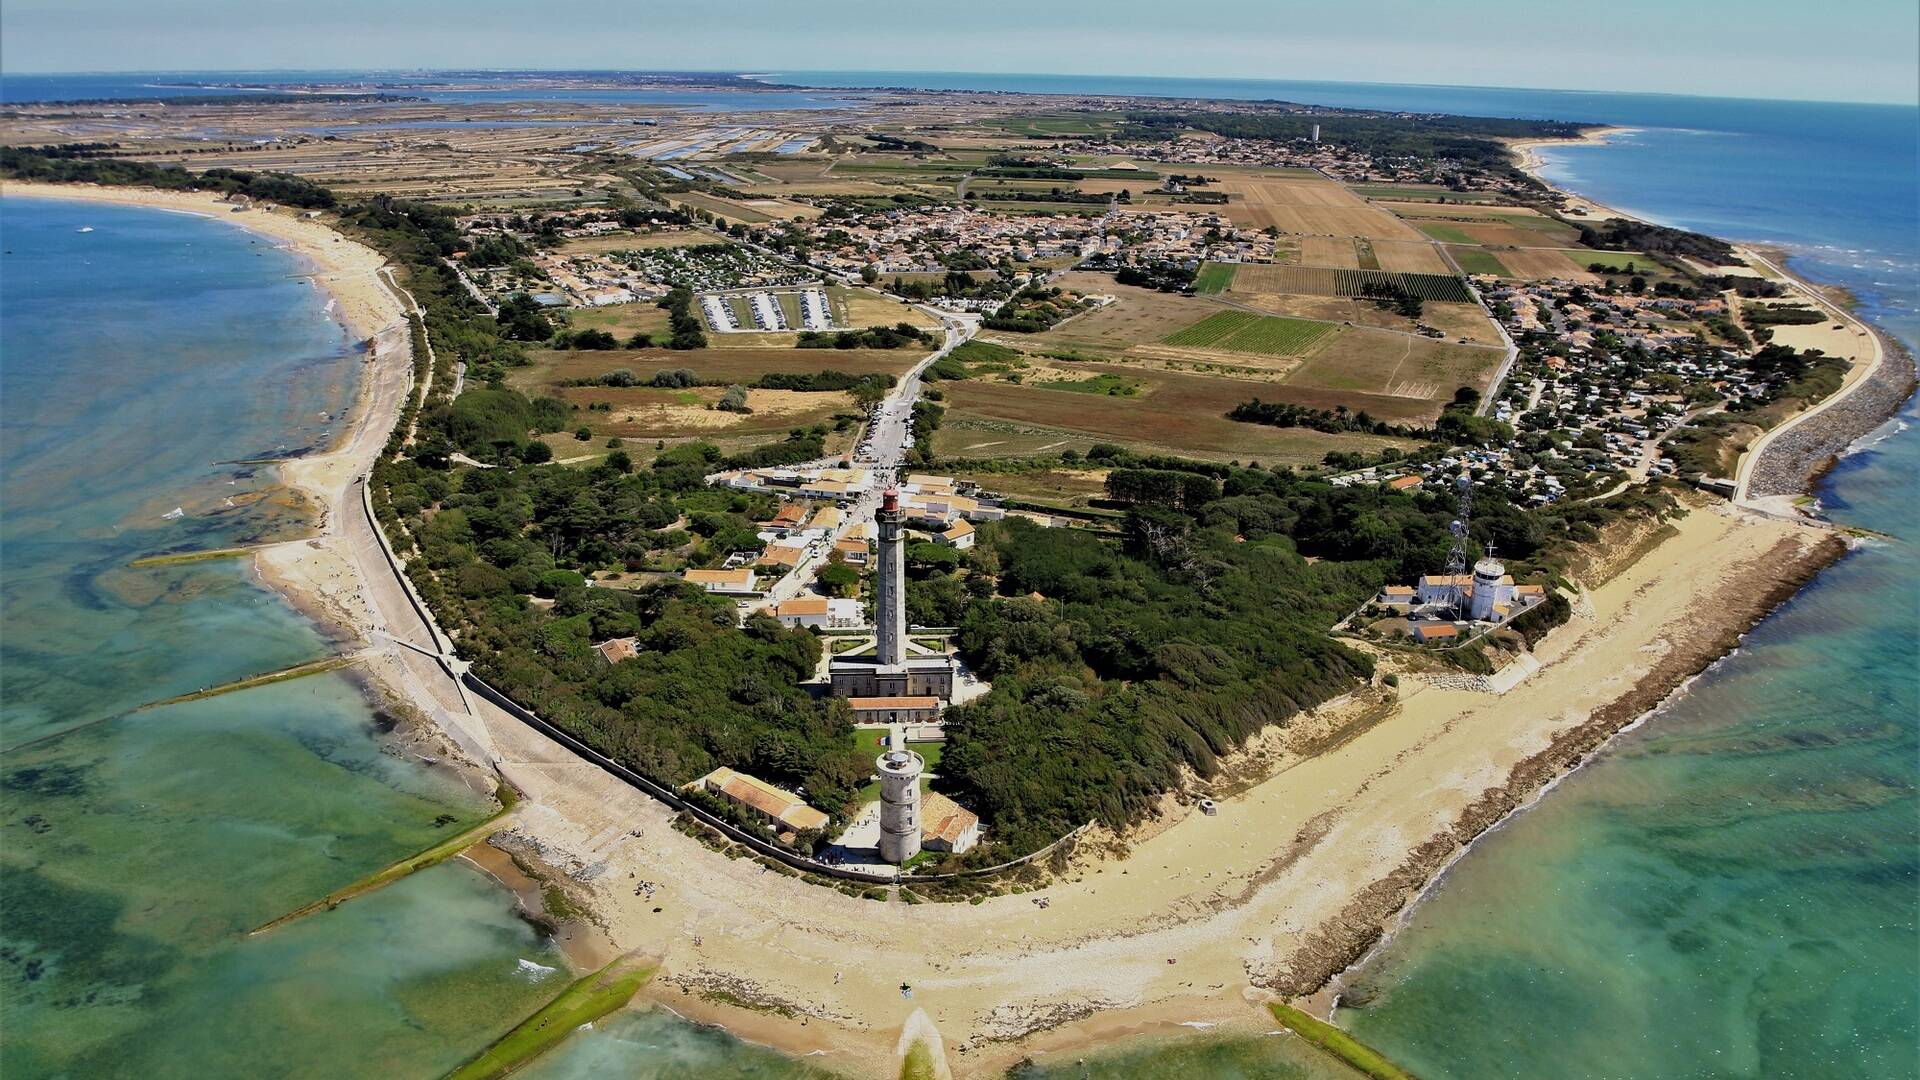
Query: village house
(788, 813)
(947, 826)
(959, 536)
(728, 582)
(819, 612)
(617, 649)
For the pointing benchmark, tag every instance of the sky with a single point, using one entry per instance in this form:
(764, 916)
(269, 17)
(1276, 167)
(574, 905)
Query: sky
(1835, 50)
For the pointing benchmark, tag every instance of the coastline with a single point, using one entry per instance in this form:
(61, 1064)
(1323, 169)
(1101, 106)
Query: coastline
(1006, 979)
(1884, 377)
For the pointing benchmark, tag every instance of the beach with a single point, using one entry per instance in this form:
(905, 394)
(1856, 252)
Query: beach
(1193, 920)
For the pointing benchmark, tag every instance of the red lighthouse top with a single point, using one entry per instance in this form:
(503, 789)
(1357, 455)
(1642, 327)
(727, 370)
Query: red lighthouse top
(890, 500)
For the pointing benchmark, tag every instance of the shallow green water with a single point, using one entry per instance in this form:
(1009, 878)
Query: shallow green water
(138, 847)
(651, 1044)
(1278, 1056)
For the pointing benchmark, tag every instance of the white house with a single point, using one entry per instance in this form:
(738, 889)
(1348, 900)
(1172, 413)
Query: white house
(723, 581)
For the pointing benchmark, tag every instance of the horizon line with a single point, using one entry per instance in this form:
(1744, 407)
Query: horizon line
(762, 73)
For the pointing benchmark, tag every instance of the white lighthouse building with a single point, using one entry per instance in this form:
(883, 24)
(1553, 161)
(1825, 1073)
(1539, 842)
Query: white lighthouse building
(1492, 588)
(899, 770)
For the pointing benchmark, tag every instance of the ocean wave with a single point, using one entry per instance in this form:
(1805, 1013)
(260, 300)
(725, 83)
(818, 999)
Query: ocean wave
(533, 972)
(1871, 439)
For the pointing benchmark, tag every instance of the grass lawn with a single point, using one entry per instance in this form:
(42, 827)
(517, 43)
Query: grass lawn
(1214, 278)
(1475, 260)
(872, 741)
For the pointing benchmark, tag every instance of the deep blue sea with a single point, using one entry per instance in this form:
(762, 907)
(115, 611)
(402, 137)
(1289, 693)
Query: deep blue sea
(481, 88)
(1732, 890)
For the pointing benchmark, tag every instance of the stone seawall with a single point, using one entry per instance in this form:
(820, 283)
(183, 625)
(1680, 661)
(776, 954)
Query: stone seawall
(1794, 462)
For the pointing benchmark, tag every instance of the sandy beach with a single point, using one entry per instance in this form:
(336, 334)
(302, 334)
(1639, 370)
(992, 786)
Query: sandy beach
(1531, 163)
(1192, 921)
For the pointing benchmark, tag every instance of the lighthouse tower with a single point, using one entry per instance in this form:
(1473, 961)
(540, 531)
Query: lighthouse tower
(1488, 573)
(890, 597)
(899, 770)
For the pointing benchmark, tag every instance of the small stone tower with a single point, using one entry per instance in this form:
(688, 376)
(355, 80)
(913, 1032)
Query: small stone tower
(899, 770)
(890, 596)
(1487, 574)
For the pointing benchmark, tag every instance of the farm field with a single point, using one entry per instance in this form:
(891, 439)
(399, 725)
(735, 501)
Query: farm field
(1173, 413)
(1422, 193)
(1137, 317)
(1214, 278)
(1409, 257)
(650, 413)
(1503, 231)
(1309, 204)
(1242, 331)
(1456, 320)
(1534, 264)
(1136, 186)
(751, 211)
(1328, 282)
(1408, 378)
(1618, 260)
(622, 320)
(1331, 251)
(1457, 208)
(1468, 321)
(552, 369)
(1059, 487)
(1475, 260)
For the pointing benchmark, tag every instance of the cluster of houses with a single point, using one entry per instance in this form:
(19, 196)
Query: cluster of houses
(598, 279)
(1621, 370)
(915, 240)
(919, 240)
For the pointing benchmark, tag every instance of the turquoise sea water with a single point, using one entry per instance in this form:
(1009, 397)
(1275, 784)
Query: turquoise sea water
(137, 848)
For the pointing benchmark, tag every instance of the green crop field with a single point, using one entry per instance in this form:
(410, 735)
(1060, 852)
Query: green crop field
(1450, 234)
(1477, 261)
(1210, 330)
(1240, 331)
(1614, 260)
(1214, 278)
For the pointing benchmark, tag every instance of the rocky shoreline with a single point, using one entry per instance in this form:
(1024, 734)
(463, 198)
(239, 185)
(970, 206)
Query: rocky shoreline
(1792, 463)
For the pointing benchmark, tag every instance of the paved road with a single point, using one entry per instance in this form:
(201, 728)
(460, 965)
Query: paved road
(1856, 377)
(885, 445)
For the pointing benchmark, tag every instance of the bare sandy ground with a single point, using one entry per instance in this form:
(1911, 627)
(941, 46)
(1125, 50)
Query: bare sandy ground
(1190, 922)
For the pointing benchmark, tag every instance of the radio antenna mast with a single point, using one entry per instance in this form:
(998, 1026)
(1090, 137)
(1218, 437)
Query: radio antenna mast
(1460, 556)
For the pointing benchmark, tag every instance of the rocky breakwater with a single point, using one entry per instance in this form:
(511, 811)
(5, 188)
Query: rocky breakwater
(1793, 462)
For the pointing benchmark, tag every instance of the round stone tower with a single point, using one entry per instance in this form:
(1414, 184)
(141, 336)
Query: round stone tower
(1486, 587)
(899, 770)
